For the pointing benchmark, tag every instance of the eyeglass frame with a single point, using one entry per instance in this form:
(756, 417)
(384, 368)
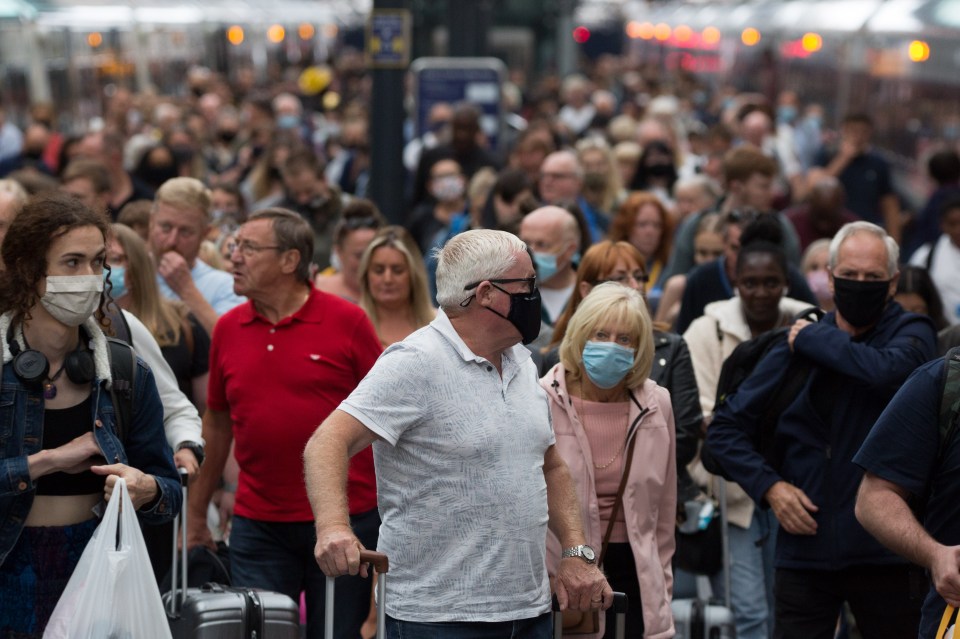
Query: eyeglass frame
(249, 249)
(532, 281)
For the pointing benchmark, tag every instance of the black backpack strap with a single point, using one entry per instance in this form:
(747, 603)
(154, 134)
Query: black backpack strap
(123, 370)
(949, 400)
(118, 323)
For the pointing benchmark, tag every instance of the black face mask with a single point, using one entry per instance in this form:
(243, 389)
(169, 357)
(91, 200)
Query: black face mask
(661, 170)
(860, 303)
(524, 313)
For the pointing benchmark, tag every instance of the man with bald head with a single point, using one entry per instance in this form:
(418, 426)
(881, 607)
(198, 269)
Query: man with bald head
(561, 182)
(553, 235)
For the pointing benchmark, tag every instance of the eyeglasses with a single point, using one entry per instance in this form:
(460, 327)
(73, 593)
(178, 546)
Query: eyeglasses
(557, 176)
(623, 278)
(531, 283)
(249, 249)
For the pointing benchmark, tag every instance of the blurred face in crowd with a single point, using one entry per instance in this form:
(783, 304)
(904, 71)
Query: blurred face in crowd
(760, 284)
(543, 231)
(560, 179)
(225, 202)
(447, 184)
(351, 251)
(177, 229)
(690, 199)
(707, 246)
(83, 189)
(863, 257)
(625, 272)
(305, 187)
(389, 277)
(756, 192)
(647, 230)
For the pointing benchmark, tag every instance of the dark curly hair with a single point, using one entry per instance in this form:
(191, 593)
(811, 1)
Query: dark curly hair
(42, 220)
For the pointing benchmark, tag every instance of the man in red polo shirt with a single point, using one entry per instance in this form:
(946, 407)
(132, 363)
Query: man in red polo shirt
(279, 364)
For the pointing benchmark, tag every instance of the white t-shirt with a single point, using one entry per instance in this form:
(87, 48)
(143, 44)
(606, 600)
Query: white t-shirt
(554, 300)
(460, 478)
(944, 270)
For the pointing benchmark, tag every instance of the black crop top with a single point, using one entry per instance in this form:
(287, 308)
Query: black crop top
(60, 427)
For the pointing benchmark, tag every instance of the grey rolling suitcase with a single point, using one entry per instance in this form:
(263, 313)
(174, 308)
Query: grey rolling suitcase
(214, 611)
(381, 564)
(700, 618)
(619, 607)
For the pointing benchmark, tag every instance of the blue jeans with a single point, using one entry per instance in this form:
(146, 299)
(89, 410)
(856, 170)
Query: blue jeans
(278, 556)
(751, 575)
(536, 628)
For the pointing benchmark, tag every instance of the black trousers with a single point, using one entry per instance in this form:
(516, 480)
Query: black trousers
(621, 572)
(885, 600)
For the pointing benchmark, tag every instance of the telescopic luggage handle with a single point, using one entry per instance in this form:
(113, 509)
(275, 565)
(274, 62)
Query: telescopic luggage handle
(620, 604)
(179, 558)
(381, 565)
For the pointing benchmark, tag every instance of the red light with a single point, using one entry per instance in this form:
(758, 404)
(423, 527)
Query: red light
(581, 35)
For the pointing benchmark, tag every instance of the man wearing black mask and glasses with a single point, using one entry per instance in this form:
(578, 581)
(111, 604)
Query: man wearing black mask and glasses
(466, 462)
(856, 358)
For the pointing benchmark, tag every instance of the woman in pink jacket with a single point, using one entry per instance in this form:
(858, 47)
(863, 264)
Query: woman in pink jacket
(615, 427)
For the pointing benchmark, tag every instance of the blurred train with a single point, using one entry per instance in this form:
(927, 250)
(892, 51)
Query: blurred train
(896, 60)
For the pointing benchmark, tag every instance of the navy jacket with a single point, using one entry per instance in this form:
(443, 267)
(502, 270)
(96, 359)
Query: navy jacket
(851, 383)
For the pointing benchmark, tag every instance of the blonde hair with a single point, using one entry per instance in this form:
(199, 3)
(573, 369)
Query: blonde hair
(398, 238)
(163, 318)
(185, 193)
(609, 303)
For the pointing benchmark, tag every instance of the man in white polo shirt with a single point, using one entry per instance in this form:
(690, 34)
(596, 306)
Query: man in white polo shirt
(465, 461)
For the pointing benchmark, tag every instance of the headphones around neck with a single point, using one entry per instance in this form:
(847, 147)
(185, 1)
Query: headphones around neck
(31, 366)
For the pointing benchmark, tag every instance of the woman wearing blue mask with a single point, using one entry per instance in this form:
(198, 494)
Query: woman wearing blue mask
(60, 447)
(615, 429)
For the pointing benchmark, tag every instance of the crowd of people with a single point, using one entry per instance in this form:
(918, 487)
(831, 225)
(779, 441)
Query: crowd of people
(626, 236)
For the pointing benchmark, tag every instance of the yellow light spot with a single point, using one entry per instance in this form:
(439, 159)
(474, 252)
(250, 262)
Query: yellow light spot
(634, 29)
(750, 36)
(646, 31)
(711, 35)
(662, 31)
(235, 35)
(306, 31)
(94, 39)
(919, 51)
(683, 33)
(276, 34)
(811, 42)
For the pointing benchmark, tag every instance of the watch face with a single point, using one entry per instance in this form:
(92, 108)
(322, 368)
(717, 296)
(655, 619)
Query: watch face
(588, 553)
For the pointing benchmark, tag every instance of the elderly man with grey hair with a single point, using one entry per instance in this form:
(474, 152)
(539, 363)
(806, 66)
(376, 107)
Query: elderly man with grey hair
(468, 476)
(553, 236)
(852, 363)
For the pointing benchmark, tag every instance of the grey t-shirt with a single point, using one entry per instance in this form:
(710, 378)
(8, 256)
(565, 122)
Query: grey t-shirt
(459, 478)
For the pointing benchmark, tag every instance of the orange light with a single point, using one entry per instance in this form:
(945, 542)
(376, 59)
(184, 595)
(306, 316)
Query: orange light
(750, 36)
(276, 34)
(235, 35)
(306, 31)
(330, 31)
(662, 31)
(634, 30)
(710, 35)
(94, 39)
(646, 31)
(683, 33)
(811, 42)
(919, 51)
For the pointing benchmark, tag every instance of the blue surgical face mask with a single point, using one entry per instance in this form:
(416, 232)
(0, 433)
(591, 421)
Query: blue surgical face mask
(117, 277)
(288, 121)
(546, 264)
(607, 363)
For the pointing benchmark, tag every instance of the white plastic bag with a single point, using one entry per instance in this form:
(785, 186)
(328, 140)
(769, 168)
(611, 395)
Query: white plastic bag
(112, 593)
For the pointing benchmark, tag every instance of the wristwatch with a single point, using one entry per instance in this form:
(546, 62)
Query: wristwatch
(582, 551)
(196, 448)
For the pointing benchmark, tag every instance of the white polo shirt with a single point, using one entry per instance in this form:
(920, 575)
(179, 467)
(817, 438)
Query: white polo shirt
(460, 478)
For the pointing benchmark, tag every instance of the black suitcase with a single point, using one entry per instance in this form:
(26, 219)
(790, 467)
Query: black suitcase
(214, 611)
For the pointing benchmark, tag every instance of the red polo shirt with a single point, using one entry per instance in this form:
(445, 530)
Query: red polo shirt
(279, 382)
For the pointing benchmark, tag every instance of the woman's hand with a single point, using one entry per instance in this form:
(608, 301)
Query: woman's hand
(78, 455)
(143, 488)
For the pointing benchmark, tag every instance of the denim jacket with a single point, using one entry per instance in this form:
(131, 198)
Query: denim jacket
(21, 434)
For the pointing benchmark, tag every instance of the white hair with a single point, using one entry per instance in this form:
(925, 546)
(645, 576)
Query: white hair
(473, 256)
(851, 229)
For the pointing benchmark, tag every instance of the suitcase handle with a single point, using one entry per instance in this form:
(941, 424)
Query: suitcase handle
(380, 562)
(619, 603)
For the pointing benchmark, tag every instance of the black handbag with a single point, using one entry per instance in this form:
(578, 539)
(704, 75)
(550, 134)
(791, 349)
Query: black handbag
(701, 552)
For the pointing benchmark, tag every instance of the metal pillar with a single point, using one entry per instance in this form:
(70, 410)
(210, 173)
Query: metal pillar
(468, 23)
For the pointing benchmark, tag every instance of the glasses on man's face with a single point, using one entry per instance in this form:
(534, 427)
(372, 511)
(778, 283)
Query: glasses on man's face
(531, 283)
(249, 249)
(638, 277)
